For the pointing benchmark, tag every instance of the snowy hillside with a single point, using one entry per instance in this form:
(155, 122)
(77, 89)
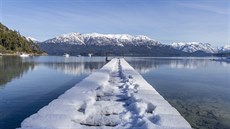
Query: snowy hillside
(102, 39)
(31, 38)
(191, 47)
(100, 44)
(123, 44)
(225, 48)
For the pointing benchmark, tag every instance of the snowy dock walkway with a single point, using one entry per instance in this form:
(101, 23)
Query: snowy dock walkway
(113, 97)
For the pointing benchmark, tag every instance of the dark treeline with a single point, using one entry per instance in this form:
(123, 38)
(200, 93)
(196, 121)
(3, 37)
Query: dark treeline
(12, 41)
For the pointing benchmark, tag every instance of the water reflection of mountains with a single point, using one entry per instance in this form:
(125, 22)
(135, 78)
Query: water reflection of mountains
(148, 64)
(15, 67)
(12, 67)
(75, 68)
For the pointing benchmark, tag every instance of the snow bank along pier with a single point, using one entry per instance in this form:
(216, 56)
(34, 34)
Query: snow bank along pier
(113, 97)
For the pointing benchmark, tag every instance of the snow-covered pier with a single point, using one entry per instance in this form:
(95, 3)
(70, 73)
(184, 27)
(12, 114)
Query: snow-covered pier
(113, 97)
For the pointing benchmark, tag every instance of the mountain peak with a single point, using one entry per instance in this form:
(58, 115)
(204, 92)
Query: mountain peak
(102, 39)
(72, 34)
(123, 40)
(194, 46)
(225, 48)
(143, 37)
(31, 38)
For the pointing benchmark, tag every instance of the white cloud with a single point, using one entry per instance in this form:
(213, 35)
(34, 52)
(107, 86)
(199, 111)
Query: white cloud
(209, 8)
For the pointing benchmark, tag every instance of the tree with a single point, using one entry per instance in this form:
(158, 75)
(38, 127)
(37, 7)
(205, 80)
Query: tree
(13, 41)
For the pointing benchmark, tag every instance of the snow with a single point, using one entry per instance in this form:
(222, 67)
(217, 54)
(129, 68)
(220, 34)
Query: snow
(31, 38)
(143, 37)
(194, 46)
(123, 40)
(113, 97)
(102, 39)
(225, 48)
(72, 38)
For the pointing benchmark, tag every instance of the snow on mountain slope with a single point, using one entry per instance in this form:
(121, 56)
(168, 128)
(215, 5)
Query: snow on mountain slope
(77, 43)
(71, 38)
(31, 38)
(225, 48)
(191, 47)
(102, 39)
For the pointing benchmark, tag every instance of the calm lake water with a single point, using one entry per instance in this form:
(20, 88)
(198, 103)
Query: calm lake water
(198, 87)
(28, 84)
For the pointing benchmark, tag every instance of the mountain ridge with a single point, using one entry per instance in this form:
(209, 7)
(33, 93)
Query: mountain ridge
(84, 39)
(88, 41)
(191, 47)
(101, 44)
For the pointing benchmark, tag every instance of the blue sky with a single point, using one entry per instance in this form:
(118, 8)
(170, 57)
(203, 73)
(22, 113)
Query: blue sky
(163, 20)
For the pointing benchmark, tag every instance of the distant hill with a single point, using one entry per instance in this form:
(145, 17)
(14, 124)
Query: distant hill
(124, 44)
(224, 49)
(202, 49)
(102, 44)
(12, 41)
(192, 47)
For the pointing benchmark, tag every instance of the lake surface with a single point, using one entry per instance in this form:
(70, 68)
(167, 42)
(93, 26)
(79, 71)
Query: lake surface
(28, 84)
(198, 88)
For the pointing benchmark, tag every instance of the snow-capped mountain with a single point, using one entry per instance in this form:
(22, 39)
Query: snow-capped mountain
(192, 47)
(102, 39)
(225, 48)
(124, 44)
(31, 38)
(102, 44)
